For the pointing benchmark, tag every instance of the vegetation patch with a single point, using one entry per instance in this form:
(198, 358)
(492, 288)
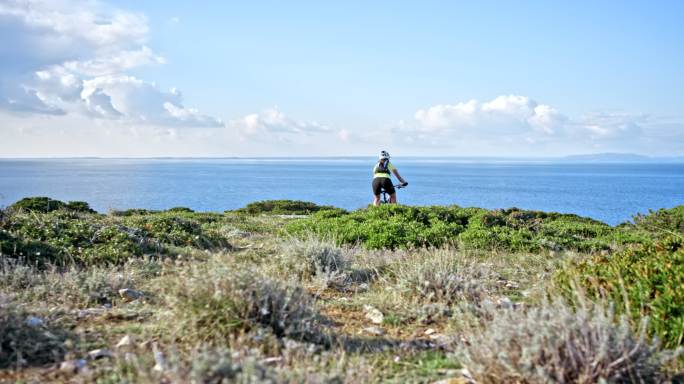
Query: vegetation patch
(644, 281)
(397, 226)
(27, 340)
(46, 204)
(555, 343)
(216, 303)
(283, 207)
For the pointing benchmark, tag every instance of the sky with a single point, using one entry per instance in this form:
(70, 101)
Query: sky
(320, 78)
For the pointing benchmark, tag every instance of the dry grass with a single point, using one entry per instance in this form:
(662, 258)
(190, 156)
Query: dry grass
(28, 340)
(214, 302)
(553, 342)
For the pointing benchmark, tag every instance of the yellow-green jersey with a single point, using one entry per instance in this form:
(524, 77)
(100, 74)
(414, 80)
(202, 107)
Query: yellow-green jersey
(383, 169)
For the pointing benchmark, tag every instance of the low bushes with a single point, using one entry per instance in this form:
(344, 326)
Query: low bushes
(441, 276)
(644, 281)
(175, 229)
(397, 226)
(26, 340)
(282, 207)
(63, 237)
(310, 257)
(556, 343)
(31, 231)
(216, 303)
(46, 204)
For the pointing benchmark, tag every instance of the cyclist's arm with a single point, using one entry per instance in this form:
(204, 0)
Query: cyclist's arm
(396, 173)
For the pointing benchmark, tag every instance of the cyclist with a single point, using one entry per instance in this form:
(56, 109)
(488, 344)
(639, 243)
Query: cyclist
(382, 178)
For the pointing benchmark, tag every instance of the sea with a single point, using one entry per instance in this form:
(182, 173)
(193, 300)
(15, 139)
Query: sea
(609, 192)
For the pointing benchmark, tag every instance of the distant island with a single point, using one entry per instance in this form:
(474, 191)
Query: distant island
(613, 157)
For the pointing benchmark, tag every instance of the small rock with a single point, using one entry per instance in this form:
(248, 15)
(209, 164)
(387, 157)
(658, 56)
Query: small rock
(458, 376)
(160, 363)
(130, 294)
(504, 303)
(271, 360)
(377, 331)
(125, 341)
(33, 321)
(512, 285)
(373, 314)
(72, 366)
(99, 353)
(88, 312)
(429, 331)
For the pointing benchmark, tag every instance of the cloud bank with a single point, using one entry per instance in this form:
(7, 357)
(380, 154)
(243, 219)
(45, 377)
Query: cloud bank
(68, 57)
(65, 77)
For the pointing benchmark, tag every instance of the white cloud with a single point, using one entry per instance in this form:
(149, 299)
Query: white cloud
(71, 57)
(272, 124)
(614, 125)
(140, 101)
(504, 114)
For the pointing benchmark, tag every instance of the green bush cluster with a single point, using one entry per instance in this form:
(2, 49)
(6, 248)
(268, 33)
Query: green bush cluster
(392, 226)
(661, 222)
(283, 207)
(180, 229)
(46, 204)
(31, 231)
(644, 280)
(63, 237)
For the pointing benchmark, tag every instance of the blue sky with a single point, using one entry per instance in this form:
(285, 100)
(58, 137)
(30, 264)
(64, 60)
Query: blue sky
(348, 78)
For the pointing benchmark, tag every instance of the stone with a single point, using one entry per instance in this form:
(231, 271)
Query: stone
(159, 362)
(429, 331)
(33, 321)
(504, 303)
(373, 314)
(272, 360)
(99, 353)
(88, 312)
(125, 341)
(130, 294)
(377, 331)
(72, 366)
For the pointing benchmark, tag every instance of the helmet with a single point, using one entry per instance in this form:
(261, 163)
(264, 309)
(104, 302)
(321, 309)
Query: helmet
(384, 155)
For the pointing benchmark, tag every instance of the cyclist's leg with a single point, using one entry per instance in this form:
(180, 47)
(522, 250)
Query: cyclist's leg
(387, 185)
(377, 188)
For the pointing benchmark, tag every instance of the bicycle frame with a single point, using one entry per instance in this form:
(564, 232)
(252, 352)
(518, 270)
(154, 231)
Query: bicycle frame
(384, 199)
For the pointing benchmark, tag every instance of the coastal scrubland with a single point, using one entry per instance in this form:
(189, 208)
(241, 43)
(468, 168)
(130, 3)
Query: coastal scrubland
(289, 291)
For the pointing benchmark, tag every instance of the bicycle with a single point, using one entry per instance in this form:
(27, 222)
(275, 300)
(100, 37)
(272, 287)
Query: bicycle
(385, 197)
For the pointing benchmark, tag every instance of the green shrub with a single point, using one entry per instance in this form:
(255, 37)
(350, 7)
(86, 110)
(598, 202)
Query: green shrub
(38, 204)
(645, 280)
(180, 209)
(63, 237)
(132, 212)
(46, 204)
(397, 226)
(175, 229)
(662, 221)
(283, 207)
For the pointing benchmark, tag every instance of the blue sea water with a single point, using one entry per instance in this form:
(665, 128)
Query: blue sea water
(608, 192)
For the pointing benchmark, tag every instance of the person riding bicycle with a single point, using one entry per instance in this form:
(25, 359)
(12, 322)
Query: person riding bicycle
(382, 178)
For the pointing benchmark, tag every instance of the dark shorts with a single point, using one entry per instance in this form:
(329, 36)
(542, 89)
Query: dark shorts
(380, 183)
